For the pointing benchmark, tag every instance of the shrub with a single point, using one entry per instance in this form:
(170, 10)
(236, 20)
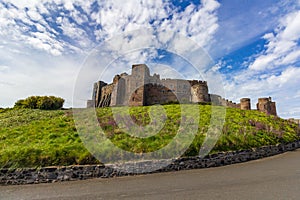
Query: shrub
(40, 102)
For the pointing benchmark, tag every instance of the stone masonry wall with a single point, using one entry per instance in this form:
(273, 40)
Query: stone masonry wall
(140, 88)
(245, 104)
(199, 91)
(267, 106)
(97, 92)
(180, 88)
(158, 94)
(106, 95)
(54, 174)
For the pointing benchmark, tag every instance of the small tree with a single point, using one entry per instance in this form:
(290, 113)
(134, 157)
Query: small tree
(41, 102)
(57, 102)
(45, 103)
(20, 104)
(31, 102)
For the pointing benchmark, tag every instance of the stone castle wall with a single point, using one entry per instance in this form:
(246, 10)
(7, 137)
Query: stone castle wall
(267, 106)
(140, 88)
(158, 94)
(97, 92)
(219, 101)
(245, 104)
(199, 91)
(106, 95)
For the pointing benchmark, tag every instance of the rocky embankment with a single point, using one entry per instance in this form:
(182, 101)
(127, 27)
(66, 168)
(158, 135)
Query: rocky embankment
(68, 173)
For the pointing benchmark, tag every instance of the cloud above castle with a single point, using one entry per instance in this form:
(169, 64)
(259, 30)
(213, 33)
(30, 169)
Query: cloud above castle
(254, 44)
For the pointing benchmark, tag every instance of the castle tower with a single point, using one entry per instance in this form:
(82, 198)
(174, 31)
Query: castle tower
(140, 76)
(118, 92)
(245, 104)
(199, 91)
(267, 106)
(96, 96)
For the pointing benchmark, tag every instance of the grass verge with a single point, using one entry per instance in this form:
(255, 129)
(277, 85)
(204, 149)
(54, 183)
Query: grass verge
(35, 138)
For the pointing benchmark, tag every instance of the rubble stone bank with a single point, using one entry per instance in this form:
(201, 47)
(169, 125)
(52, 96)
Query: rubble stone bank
(81, 172)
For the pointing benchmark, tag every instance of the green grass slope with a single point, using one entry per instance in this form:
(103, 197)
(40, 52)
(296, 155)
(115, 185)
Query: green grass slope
(35, 138)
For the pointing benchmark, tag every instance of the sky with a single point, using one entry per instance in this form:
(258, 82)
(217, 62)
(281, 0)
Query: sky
(253, 47)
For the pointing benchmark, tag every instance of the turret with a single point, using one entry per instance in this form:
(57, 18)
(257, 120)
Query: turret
(267, 106)
(199, 91)
(245, 104)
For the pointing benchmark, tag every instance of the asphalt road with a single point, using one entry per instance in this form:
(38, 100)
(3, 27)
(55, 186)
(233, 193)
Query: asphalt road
(272, 178)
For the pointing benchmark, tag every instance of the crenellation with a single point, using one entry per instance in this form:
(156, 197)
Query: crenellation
(267, 106)
(140, 88)
(197, 82)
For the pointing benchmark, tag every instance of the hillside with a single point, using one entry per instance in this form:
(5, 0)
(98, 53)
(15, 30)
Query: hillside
(34, 138)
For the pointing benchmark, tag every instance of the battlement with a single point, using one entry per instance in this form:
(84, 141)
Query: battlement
(264, 100)
(228, 103)
(139, 65)
(197, 82)
(140, 88)
(245, 100)
(267, 106)
(140, 70)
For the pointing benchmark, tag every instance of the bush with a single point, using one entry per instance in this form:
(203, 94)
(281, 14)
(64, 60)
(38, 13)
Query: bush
(40, 102)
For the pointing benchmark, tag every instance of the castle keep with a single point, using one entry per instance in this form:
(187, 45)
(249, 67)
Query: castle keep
(141, 89)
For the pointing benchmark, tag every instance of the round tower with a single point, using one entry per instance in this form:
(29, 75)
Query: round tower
(245, 104)
(199, 91)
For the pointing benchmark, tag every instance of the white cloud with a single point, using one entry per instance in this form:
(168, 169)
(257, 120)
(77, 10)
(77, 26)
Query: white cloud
(297, 95)
(282, 87)
(34, 15)
(113, 17)
(275, 71)
(282, 48)
(26, 77)
(196, 22)
(4, 68)
(45, 59)
(17, 25)
(262, 62)
(288, 78)
(241, 23)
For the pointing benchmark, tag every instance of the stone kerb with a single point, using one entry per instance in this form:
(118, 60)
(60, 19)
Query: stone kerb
(80, 172)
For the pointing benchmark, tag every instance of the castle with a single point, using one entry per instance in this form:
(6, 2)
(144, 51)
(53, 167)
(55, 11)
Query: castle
(141, 89)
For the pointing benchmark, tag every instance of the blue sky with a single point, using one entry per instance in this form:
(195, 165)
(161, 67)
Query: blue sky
(254, 45)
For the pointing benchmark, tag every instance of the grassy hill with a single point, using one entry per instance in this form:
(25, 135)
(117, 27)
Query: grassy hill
(34, 138)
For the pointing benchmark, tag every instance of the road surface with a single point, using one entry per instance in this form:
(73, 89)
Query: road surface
(272, 178)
